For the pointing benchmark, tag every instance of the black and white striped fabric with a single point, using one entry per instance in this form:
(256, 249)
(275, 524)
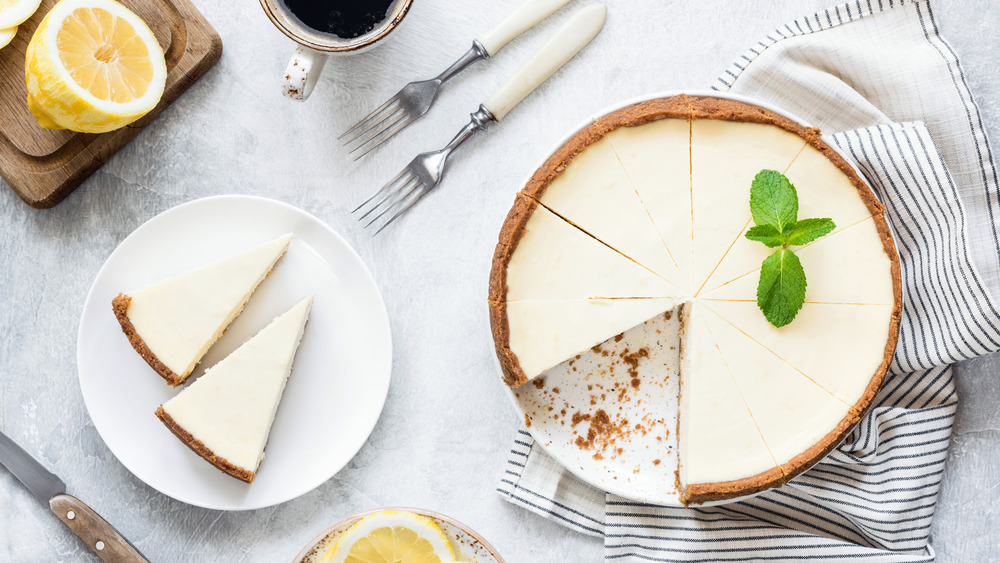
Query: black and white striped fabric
(917, 137)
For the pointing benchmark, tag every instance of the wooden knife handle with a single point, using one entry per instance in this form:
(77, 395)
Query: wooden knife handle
(102, 538)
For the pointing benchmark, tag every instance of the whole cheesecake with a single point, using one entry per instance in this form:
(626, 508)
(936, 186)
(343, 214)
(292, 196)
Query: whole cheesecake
(644, 211)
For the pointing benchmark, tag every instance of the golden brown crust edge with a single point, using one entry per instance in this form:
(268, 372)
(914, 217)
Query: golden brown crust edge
(708, 492)
(510, 235)
(198, 447)
(120, 306)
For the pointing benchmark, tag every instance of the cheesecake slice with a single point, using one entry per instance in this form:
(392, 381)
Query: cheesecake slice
(225, 416)
(171, 324)
(545, 333)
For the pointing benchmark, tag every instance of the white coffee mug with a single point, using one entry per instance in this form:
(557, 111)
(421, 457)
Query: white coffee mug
(310, 56)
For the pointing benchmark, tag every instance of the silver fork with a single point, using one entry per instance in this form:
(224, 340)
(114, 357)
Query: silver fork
(415, 99)
(425, 171)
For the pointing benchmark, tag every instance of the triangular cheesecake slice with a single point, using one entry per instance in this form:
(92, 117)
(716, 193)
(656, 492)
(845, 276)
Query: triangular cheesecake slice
(226, 415)
(545, 333)
(593, 192)
(171, 324)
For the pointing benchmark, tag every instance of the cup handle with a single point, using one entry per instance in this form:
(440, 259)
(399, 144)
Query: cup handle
(302, 73)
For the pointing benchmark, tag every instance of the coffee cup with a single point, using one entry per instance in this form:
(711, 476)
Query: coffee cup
(315, 46)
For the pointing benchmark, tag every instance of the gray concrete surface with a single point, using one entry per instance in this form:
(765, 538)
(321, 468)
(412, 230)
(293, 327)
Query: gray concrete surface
(445, 429)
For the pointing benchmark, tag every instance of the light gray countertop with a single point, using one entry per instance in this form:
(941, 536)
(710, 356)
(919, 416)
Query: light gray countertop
(443, 436)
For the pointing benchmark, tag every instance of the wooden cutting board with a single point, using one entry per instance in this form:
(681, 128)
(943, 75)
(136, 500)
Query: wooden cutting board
(44, 166)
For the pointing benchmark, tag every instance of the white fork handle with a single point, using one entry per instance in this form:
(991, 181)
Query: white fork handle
(530, 13)
(566, 42)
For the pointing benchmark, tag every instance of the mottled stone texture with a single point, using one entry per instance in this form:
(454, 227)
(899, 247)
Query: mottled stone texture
(446, 427)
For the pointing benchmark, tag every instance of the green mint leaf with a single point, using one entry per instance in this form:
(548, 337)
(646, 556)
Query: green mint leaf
(782, 287)
(808, 230)
(773, 200)
(767, 234)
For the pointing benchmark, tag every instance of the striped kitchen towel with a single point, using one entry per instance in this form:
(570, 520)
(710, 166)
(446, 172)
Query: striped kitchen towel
(878, 77)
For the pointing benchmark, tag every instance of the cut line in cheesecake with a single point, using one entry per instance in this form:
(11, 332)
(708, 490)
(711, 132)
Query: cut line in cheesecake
(743, 398)
(173, 323)
(825, 364)
(746, 226)
(648, 214)
(803, 247)
(609, 209)
(544, 257)
(823, 190)
(846, 277)
(623, 255)
(768, 350)
(652, 178)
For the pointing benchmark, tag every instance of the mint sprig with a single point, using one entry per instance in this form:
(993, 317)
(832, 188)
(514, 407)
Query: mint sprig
(774, 205)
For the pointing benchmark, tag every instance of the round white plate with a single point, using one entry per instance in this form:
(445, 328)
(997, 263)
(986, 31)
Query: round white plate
(341, 372)
(468, 545)
(644, 468)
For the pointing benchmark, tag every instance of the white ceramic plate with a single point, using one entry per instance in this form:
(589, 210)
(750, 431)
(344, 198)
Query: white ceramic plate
(340, 377)
(468, 545)
(634, 472)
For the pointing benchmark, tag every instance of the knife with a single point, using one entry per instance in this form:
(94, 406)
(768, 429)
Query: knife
(102, 538)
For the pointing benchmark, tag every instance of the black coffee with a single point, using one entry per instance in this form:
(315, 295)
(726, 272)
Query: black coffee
(346, 19)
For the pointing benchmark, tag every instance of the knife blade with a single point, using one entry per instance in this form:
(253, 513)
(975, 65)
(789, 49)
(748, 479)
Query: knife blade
(40, 481)
(102, 538)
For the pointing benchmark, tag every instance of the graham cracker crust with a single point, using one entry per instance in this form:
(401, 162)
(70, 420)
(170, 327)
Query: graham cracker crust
(120, 306)
(198, 447)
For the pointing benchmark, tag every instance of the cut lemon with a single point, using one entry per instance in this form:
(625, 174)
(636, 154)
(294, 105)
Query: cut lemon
(93, 66)
(6, 35)
(14, 12)
(392, 536)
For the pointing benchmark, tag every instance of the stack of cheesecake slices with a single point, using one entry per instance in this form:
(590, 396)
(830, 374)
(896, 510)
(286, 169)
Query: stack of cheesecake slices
(226, 414)
(644, 211)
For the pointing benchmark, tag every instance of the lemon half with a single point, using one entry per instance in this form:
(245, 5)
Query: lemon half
(93, 66)
(392, 536)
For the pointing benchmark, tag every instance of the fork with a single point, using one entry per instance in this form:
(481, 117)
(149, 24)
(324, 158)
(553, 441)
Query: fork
(416, 98)
(425, 171)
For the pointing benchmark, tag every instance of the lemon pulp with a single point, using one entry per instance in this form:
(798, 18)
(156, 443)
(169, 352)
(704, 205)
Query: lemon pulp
(103, 54)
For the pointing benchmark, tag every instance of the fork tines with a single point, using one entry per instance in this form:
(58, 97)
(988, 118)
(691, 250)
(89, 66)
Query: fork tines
(398, 195)
(377, 127)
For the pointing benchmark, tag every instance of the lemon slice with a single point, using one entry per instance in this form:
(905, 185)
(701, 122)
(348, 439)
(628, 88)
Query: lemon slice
(14, 12)
(6, 35)
(392, 536)
(93, 66)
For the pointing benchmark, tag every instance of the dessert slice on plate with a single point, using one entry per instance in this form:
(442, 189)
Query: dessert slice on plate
(171, 324)
(226, 415)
